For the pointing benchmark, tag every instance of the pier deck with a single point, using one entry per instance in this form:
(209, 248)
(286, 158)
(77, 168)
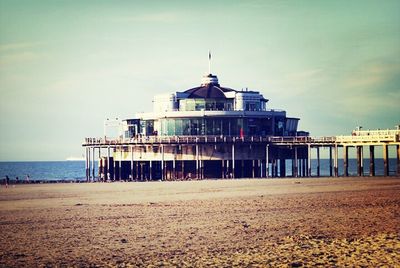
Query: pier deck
(252, 156)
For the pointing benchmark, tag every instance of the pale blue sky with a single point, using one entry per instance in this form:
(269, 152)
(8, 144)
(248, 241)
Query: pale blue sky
(65, 66)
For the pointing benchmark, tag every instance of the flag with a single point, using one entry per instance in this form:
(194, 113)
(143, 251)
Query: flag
(209, 55)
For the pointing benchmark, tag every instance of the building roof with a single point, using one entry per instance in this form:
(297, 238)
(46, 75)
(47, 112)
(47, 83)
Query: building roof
(209, 91)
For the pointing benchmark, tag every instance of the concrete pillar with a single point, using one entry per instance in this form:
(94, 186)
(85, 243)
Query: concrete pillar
(131, 162)
(319, 164)
(304, 166)
(296, 169)
(162, 162)
(330, 161)
(174, 168)
(398, 159)
(273, 163)
(93, 166)
(222, 169)
(108, 164)
(359, 160)
(87, 163)
(282, 165)
(150, 170)
(335, 154)
(120, 164)
(197, 162)
(372, 160)
(227, 169)
(253, 169)
(309, 161)
(242, 169)
(345, 161)
(362, 161)
(100, 164)
(183, 169)
(267, 161)
(114, 169)
(385, 160)
(137, 170)
(233, 160)
(201, 162)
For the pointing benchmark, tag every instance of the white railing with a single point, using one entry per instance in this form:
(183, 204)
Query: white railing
(368, 138)
(379, 132)
(301, 140)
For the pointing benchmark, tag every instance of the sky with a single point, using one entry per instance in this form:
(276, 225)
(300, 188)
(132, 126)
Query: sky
(66, 66)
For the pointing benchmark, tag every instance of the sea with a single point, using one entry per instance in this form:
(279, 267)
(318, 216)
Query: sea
(74, 171)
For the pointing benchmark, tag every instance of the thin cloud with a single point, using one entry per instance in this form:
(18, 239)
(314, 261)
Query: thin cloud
(18, 46)
(25, 56)
(371, 75)
(153, 17)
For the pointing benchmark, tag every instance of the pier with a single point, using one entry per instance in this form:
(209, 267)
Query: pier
(198, 157)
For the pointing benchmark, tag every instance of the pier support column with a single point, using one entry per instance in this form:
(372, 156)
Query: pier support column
(253, 175)
(228, 172)
(304, 160)
(197, 162)
(174, 167)
(131, 178)
(93, 167)
(345, 161)
(360, 160)
(385, 160)
(151, 170)
(398, 159)
(309, 161)
(242, 169)
(282, 166)
(137, 171)
(267, 161)
(372, 160)
(330, 161)
(108, 164)
(296, 163)
(162, 162)
(183, 169)
(120, 164)
(233, 160)
(87, 163)
(336, 161)
(114, 168)
(319, 163)
(222, 169)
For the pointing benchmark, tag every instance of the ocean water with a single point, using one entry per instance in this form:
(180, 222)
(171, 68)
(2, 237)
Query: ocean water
(75, 170)
(44, 170)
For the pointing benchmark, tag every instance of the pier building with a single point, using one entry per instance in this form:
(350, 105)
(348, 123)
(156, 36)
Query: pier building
(206, 131)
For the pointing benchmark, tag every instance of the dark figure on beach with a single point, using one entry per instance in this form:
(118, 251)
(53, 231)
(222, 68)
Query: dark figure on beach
(7, 181)
(16, 180)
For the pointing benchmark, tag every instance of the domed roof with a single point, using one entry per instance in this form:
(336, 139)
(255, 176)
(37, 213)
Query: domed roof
(209, 89)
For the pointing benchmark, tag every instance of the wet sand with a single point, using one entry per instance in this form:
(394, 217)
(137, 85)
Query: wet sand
(259, 223)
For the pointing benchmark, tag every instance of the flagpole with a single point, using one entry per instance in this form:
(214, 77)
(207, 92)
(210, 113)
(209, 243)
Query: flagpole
(209, 62)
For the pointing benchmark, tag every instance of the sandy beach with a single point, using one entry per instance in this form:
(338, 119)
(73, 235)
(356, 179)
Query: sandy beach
(330, 222)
